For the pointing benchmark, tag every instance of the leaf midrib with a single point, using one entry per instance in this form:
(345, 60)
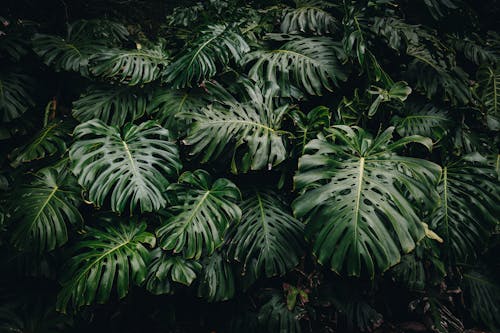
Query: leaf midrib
(42, 208)
(358, 197)
(82, 274)
(245, 122)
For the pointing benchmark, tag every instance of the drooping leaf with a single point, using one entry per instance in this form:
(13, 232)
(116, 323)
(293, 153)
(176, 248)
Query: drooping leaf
(352, 196)
(14, 95)
(114, 106)
(166, 268)
(51, 140)
(202, 210)
(217, 46)
(311, 63)
(268, 237)
(42, 208)
(469, 208)
(483, 297)
(112, 257)
(217, 282)
(309, 16)
(131, 168)
(131, 67)
(250, 132)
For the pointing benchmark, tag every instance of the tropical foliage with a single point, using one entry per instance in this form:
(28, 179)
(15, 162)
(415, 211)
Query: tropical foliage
(249, 166)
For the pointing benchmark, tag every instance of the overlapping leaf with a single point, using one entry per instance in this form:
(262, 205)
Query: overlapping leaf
(202, 211)
(313, 64)
(14, 95)
(217, 280)
(114, 106)
(268, 237)
(353, 197)
(112, 257)
(469, 208)
(250, 132)
(69, 54)
(217, 46)
(131, 168)
(484, 298)
(132, 67)
(51, 140)
(42, 209)
(426, 120)
(166, 268)
(309, 16)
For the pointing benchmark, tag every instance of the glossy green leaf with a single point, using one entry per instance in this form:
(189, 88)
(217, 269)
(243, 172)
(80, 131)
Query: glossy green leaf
(42, 209)
(131, 67)
(166, 268)
(426, 120)
(310, 124)
(202, 210)
(51, 140)
(114, 106)
(217, 280)
(130, 168)
(469, 208)
(218, 45)
(268, 237)
(250, 132)
(111, 258)
(309, 16)
(354, 196)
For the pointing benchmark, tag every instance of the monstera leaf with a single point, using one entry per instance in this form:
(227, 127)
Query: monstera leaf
(268, 236)
(489, 90)
(469, 208)
(14, 95)
(274, 316)
(310, 124)
(43, 207)
(131, 67)
(251, 129)
(313, 64)
(132, 167)
(51, 140)
(426, 120)
(166, 104)
(202, 211)
(166, 268)
(354, 196)
(309, 16)
(483, 298)
(218, 45)
(217, 281)
(71, 53)
(114, 106)
(112, 256)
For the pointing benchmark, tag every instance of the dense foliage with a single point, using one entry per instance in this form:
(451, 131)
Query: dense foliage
(249, 166)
